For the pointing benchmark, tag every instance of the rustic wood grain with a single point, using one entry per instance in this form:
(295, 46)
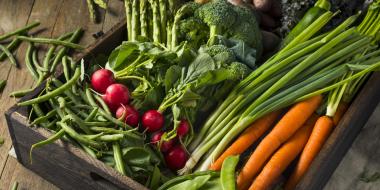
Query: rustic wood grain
(19, 11)
(57, 17)
(114, 15)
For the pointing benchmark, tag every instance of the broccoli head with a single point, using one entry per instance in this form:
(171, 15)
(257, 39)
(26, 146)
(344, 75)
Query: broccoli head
(194, 31)
(219, 15)
(221, 53)
(238, 70)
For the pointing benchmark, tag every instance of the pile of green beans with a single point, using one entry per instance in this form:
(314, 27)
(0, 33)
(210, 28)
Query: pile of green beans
(80, 117)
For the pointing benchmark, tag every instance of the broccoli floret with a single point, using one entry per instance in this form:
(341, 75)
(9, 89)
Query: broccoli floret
(219, 15)
(238, 70)
(221, 53)
(194, 31)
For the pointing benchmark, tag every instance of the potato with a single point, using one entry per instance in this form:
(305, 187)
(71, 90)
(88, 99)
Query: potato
(270, 41)
(236, 2)
(201, 1)
(263, 5)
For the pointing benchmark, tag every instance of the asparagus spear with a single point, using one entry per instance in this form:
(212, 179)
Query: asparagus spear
(128, 13)
(163, 16)
(143, 18)
(156, 21)
(135, 20)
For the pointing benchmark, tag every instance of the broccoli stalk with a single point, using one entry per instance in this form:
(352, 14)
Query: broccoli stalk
(163, 16)
(135, 20)
(128, 13)
(143, 18)
(188, 8)
(156, 21)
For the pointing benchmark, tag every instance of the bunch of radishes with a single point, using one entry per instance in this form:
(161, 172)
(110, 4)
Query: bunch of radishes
(117, 98)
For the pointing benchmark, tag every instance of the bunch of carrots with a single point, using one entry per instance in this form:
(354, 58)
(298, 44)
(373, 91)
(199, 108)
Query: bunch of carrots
(306, 125)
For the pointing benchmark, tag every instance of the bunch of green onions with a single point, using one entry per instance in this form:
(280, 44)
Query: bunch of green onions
(306, 67)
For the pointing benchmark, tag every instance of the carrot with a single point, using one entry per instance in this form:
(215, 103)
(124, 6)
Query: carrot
(283, 130)
(342, 108)
(283, 157)
(247, 138)
(321, 131)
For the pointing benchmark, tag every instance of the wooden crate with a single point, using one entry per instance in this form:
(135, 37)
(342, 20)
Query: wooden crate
(68, 167)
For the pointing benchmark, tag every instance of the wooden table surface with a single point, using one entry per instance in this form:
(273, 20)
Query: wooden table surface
(56, 17)
(60, 16)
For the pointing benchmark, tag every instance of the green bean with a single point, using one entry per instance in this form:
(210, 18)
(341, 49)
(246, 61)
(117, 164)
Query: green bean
(78, 137)
(88, 150)
(119, 162)
(28, 62)
(19, 31)
(51, 41)
(110, 138)
(36, 63)
(129, 133)
(9, 55)
(77, 120)
(101, 3)
(21, 93)
(91, 10)
(92, 115)
(2, 85)
(63, 50)
(15, 185)
(93, 137)
(12, 46)
(103, 104)
(227, 174)
(100, 123)
(66, 71)
(92, 102)
(68, 93)
(109, 160)
(50, 140)
(44, 118)
(55, 92)
(51, 124)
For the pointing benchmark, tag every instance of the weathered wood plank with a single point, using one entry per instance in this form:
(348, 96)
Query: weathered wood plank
(19, 11)
(114, 15)
(19, 78)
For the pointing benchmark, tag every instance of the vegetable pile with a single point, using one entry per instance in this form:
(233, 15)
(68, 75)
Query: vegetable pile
(185, 95)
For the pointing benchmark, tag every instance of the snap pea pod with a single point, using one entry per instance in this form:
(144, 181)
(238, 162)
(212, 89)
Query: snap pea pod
(50, 140)
(119, 162)
(2, 85)
(70, 131)
(9, 55)
(63, 50)
(51, 41)
(227, 174)
(29, 62)
(180, 179)
(19, 31)
(55, 92)
(44, 118)
(11, 46)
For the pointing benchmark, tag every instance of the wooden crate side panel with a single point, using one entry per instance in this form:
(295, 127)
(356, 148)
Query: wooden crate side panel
(343, 136)
(63, 164)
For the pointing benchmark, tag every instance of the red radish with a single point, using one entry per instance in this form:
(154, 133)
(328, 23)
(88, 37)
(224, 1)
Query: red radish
(131, 115)
(152, 120)
(101, 80)
(176, 158)
(165, 145)
(183, 128)
(116, 95)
